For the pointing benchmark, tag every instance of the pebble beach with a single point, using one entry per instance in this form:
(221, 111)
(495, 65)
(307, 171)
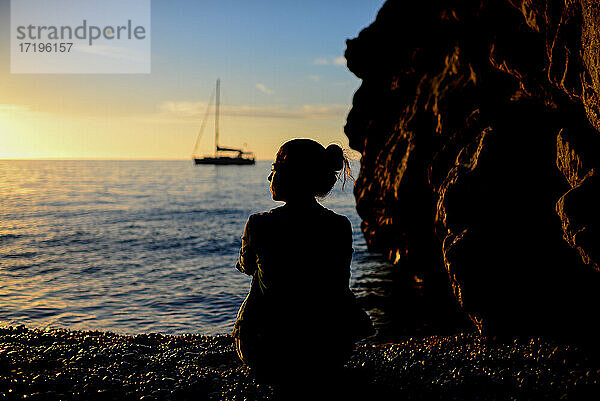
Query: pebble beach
(59, 364)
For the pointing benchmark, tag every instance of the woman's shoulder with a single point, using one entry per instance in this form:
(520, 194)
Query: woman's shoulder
(281, 212)
(337, 218)
(332, 214)
(266, 215)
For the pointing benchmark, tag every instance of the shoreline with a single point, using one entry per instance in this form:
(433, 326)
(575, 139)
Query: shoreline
(47, 364)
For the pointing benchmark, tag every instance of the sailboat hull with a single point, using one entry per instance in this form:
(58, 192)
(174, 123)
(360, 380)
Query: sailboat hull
(224, 160)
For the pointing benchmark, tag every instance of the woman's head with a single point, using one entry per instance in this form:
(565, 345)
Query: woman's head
(303, 169)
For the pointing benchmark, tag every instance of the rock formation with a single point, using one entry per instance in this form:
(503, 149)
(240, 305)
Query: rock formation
(478, 123)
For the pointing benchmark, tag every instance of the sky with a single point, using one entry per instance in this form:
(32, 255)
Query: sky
(282, 71)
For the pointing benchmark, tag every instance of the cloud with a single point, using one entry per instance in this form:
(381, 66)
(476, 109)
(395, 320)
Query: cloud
(14, 108)
(264, 89)
(182, 108)
(179, 110)
(331, 60)
(315, 78)
(341, 60)
(323, 110)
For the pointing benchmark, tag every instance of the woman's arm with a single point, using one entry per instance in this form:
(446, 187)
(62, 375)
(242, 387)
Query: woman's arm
(247, 261)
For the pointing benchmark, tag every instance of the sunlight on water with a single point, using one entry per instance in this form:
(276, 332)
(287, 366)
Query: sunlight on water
(134, 246)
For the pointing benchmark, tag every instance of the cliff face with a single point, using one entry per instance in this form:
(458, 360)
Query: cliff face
(478, 126)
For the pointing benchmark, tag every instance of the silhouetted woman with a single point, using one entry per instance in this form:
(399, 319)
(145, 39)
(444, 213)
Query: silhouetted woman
(300, 319)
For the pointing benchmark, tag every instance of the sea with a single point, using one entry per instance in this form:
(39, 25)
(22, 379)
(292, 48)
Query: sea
(140, 246)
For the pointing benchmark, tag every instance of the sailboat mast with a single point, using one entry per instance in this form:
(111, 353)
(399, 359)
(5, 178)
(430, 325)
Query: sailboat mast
(217, 116)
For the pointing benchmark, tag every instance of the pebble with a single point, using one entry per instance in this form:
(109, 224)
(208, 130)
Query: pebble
(108, 366)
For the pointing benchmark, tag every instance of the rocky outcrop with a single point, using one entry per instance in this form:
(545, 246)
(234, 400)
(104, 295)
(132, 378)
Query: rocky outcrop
(478, 123)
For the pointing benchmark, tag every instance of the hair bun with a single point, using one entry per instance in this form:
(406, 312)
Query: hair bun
(335, 157)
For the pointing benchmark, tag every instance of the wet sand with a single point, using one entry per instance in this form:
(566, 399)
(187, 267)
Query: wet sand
(84, 365)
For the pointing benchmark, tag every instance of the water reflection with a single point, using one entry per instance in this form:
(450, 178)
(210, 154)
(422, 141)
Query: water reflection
(136, 246)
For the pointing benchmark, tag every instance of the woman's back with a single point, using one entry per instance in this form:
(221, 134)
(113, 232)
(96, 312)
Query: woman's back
(300, 315)
(302, 249)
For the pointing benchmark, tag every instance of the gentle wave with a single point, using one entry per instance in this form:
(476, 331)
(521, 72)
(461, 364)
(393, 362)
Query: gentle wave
(132, 246)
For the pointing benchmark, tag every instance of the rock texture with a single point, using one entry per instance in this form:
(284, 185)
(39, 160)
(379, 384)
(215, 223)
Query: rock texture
(478, 124)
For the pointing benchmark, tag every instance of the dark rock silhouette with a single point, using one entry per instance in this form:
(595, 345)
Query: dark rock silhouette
(478, 126)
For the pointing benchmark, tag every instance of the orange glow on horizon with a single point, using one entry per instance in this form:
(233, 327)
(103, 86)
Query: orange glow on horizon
(28, 134)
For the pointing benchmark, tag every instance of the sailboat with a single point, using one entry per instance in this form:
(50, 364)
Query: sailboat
(223, 155)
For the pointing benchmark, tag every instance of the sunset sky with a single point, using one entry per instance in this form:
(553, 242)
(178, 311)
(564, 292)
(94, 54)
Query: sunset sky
(282, 73)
